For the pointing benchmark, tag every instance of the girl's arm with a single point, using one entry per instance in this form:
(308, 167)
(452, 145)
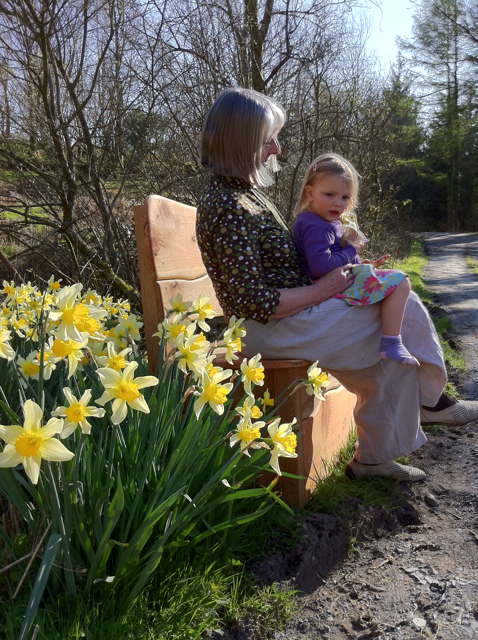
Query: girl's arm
(294, 300)
(321, 250)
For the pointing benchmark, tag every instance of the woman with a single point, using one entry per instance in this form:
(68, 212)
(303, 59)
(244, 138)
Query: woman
(252, 261)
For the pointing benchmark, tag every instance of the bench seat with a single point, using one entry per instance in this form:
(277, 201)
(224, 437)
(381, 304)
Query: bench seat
(169, 263)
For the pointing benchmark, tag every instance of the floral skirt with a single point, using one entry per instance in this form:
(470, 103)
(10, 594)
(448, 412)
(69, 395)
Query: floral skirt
(370, 285)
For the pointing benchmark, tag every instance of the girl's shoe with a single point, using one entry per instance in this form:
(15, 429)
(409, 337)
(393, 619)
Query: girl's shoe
(392, 469)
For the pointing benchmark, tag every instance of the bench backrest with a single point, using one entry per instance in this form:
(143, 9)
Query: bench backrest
(169, 261)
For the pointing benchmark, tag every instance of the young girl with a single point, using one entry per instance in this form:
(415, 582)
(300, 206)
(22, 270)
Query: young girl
(327, 237)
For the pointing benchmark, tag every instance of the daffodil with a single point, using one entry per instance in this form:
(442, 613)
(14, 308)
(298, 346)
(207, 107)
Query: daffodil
(212, 392)
(178, 305)
(54, 285)
(191, 350)
(129, 327)
(72, 350)
(29, 366)
(123, 389)
(233, 339)
(173, 327)
(29, 444)
(6, 350)
(49, 359)
(203, 310)
(284, 442)
(8, 289)
(316, 381)
(74, 317)
(113, 359)
(77, 412)
(266, 400)
(249, 410)
(247, 434)
(252, 372)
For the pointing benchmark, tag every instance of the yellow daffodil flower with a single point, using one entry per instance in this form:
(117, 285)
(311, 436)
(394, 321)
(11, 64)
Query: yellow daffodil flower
(212, 392)
(266, 400)
(178, 305)
(284, 442)
(8, 289)
(72, 350)
(203, 310)
(249, 410)
(191, 350)
(113, 359)
(6, 350)
(316, 381)
(29, 444)
(252, 372)
(123, 389)
(247, 434)
(74, 318)
(77, 412)
(173, 327)
(130, 327)
(53, 285)
(29, 366)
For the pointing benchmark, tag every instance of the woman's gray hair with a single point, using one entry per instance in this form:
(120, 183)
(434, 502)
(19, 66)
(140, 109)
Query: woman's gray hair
(238, 124)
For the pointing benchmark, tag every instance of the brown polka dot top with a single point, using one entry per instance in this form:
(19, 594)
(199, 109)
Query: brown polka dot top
(246, 247)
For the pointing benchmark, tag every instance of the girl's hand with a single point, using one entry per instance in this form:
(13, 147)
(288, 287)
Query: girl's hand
(379, 261)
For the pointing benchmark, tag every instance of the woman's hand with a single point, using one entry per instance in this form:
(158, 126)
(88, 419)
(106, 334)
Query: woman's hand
(298, 298)
(334, 282)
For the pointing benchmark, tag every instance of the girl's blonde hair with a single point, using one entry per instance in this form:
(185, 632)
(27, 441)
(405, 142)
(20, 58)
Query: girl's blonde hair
(238, 124)
(331, 164)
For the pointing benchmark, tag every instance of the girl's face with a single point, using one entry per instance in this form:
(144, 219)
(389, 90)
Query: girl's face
(329, 196)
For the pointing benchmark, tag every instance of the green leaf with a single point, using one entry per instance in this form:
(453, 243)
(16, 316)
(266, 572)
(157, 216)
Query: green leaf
(113, 513)
(49, 555)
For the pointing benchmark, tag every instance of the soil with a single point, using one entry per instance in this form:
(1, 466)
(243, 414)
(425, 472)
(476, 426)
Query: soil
(410, 572)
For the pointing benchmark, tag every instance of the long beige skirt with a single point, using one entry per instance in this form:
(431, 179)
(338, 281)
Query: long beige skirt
(344, 340)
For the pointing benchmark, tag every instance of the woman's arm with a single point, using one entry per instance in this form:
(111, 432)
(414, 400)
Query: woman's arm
(294, 300)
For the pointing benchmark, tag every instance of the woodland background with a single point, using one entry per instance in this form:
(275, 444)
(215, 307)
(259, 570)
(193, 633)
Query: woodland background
(102, 102)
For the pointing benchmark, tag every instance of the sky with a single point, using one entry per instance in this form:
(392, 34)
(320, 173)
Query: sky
(392, 19)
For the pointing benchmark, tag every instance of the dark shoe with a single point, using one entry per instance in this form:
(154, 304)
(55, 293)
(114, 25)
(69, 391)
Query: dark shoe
(392, 469)
(460, 413)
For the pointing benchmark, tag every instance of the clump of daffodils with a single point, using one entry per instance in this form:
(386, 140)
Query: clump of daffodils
(49, 336)
(213, 386)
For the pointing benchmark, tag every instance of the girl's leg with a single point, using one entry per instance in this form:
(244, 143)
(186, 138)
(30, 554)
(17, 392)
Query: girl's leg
(392, 310)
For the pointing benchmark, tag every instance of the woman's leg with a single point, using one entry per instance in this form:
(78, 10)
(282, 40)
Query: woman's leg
(387, 410)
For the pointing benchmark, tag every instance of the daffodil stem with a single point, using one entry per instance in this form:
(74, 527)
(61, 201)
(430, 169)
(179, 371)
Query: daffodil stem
(69, 576)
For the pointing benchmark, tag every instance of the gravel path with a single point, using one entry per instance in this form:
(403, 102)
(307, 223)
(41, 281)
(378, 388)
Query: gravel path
(411, 573)
(448, 276)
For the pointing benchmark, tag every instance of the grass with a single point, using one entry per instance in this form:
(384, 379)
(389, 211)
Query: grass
(197, 594)
(334, 493)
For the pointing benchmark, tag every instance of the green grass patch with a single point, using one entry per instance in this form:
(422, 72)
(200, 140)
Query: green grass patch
(413, 265)
(333, 493)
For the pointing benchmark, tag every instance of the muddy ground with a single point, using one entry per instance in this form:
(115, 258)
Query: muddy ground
(411, 572)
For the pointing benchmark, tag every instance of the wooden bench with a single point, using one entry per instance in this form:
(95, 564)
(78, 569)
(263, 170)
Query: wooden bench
(170, 263)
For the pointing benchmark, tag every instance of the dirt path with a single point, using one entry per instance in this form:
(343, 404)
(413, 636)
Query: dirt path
(413, 573)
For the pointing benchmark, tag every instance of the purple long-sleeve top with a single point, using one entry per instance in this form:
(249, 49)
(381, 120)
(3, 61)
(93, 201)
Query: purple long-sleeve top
(318, 245)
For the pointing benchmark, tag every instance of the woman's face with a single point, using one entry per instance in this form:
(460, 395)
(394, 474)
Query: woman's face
(270, 147)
